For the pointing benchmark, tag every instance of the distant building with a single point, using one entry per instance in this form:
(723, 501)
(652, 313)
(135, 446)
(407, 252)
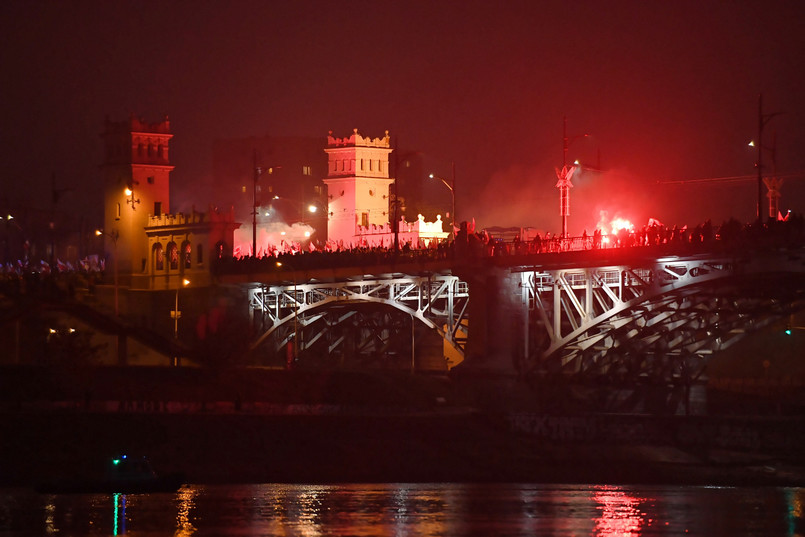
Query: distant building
(291, 186)
(360, 208)
(280, 177)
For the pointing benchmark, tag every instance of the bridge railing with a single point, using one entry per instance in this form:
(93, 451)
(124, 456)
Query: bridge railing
(730, 236)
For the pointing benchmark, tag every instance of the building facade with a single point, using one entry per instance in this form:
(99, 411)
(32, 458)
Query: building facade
(149, 247)
(360, 208)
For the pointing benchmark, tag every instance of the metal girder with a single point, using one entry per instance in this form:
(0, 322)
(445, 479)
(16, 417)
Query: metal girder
(661, 318)
(438, 301)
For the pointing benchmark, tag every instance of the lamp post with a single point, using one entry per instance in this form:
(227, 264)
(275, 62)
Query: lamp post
(452, 187)
(761, 122)
(295, 311)
(176, 313)
(258, 171)
(7, 251)
(114, 235)
(564, 175)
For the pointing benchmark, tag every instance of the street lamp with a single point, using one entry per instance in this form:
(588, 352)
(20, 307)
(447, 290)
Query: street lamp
(176, 313)
(452, 187)
(114, 235)
(129, 191)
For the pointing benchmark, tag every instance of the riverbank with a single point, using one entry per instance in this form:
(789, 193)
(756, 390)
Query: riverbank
(336, 427)
(431, 447)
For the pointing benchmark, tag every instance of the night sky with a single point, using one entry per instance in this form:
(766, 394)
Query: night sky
(668, 91)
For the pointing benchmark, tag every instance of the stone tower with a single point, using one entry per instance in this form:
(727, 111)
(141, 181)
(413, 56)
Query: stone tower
(136, 173)
(358, 185)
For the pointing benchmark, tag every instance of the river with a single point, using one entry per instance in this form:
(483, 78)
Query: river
(410, 509)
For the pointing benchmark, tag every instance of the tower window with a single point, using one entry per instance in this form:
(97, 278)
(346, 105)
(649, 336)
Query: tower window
(151, 180)
(199, 254)
(187, 255)
(173, 256)
(306, 170)
(157, 208)
(365, 219)
(243, 189)
(159, 260)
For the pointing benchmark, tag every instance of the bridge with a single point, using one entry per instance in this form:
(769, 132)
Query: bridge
(643, 314)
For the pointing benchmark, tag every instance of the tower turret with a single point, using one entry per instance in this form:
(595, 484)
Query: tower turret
(358, 184)
(136, 173)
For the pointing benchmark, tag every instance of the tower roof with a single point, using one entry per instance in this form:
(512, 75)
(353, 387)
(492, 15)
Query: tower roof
(357, 140)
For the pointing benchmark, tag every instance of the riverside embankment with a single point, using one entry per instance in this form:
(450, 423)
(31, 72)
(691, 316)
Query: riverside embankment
(269, 426)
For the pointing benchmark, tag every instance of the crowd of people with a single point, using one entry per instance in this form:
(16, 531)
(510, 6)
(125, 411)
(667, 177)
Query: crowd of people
(471, 244)
(467, 244)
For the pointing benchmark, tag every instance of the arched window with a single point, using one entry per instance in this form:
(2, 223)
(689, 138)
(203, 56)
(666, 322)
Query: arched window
(159, 258)
(187, 258)
(173, 256)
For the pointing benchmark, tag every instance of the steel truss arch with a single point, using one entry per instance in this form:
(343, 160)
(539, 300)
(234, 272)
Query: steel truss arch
(661, 319)
(437, 301)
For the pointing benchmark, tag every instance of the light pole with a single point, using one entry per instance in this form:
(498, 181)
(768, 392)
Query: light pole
(761, 122)
(258, 171)
(564, 175)
(176, 313)
(295, 311)
(452, 187)
(114, 235)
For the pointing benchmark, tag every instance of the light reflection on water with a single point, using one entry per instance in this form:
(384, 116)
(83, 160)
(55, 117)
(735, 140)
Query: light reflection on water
(410, 509)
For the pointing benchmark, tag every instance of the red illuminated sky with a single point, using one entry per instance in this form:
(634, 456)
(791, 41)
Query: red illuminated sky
(667, 91)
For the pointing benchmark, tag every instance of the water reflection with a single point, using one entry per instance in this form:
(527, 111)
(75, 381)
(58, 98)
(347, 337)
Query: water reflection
(185, 498)
(119, 501)
(411, 510)
(620, 512)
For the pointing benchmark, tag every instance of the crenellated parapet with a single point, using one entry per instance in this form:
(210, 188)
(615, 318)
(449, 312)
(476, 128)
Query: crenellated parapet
(357, 140)
(140, 125)
(417, 234)
(181, 219)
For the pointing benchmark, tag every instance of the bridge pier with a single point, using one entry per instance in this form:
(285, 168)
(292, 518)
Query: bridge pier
(498, 317)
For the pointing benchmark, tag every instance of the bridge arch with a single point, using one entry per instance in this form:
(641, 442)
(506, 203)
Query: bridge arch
(661, 318)
(435, 302)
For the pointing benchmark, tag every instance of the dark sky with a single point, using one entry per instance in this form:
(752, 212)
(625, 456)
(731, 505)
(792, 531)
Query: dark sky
(666, 90)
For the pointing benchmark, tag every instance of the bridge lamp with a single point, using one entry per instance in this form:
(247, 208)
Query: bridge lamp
(452, 187)
(176, 313)
(312, 208)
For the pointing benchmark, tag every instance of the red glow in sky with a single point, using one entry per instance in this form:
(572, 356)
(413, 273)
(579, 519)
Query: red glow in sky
(666, 91)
